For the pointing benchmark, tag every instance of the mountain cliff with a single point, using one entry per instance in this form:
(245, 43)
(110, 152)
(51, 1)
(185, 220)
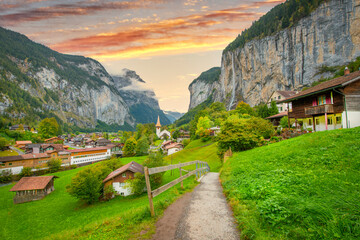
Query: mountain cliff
(37, 82)
(287, 59)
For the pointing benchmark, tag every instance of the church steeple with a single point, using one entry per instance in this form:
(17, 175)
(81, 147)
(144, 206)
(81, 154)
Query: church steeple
(158, 125)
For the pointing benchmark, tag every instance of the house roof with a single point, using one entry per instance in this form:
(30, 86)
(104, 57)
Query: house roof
(131, 166)
(32, 183)
(23, 142)
(87, 149)
(23, 157)
(334, 83)
(102, 140)
(53, 138)
(279, 115)
(287, 94)
(173, 145)
(57, 147)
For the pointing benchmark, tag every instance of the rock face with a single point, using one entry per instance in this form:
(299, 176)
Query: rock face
(288, 60)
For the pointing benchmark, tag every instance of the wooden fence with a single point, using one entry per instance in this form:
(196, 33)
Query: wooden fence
(201, 169)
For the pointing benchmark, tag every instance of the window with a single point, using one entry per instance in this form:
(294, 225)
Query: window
(317, 121)
(310, 122)
(280, 109)
(122, 194)
(321, 100)
(279, 97)
(338, 120)
(10, 164)
(124, 175)
(122, 184)
(330, 121)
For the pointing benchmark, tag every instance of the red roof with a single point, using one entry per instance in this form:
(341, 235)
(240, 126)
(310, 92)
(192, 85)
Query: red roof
(87, 149)
(24, 157)
(23, 142)
(287, 94)
(279, 115)
(31, 183)
(334, 83)
(131, 166)
(174, 145)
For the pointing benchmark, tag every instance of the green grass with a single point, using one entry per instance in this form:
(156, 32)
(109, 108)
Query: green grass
(302, 188)
(60, 216)
(8, 153)
(198, 150)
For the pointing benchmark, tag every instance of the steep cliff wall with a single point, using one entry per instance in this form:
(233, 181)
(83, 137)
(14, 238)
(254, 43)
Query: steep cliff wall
(289, 59)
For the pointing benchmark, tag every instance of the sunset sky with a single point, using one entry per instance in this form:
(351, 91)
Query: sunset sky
(167, 42)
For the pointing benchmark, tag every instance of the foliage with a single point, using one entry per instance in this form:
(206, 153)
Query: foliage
(175, 134)
(109, 193)
(203, 125)
(185, 142)
(284, 122)
(242, 134)
(142, 146)
(87, 184)
(130, 147)
(49, 127)
(302, 188)
(155, 160)
(244, 108)
(137, 184)
(26, 172)
(273, 110)
(3, 143)
(210, 76)
(5, 176)
(54, 164)
(280, 17)
(262, 110)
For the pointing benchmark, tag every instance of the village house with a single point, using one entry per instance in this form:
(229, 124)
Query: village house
(22, 144)
(277, 96)
(89, 143)
(214, 131)
(101, 142)
(32, 160)
(275, 119)
(118, 178)
(173, 148)
(16, 127)
(89, 155)
(183, 135)
(43, 147)
(165, 134)
(53, 140)
(33, 188)
(330, 105)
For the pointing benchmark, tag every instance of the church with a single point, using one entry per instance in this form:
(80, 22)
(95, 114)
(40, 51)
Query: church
(165, 134)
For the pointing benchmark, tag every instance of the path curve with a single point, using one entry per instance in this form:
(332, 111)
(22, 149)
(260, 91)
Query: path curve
(201, 214)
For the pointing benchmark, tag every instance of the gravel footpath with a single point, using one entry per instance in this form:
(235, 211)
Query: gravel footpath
(202, 214)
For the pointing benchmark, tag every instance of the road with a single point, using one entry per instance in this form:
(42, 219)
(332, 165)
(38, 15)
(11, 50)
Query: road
(202, 214)
(16, 150)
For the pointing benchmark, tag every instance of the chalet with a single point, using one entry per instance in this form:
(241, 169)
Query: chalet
(116, 148)
(118, 178)
(41, 147)
(275, 119)
(330, 105)
(16, 127)
(53, 140)
(89, 155)
(277, 96)
(32, 160)
(166, 143)
(173, 148)
(78, 141)
(22, 144)
(89, 143)
(33, 188)
(101, 142)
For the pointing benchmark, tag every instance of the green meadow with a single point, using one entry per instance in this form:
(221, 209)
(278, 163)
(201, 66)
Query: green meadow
(60, 216)
(306, 187)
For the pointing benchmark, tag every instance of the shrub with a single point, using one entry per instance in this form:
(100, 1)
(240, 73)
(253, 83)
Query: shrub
(54, 164)
(130, 147)
(5, 176)
(186, 142)
(109, 193)
(26, 172)
(73, 166)
(3, 143)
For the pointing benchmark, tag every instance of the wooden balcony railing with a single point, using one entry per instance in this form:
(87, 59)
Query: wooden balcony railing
(321, 109)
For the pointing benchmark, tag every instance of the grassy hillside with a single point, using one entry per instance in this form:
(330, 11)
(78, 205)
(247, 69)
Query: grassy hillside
(198, 150)
(60, 216)
(303, 188)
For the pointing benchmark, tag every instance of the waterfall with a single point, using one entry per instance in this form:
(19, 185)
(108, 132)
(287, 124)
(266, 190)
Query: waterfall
(233, 83)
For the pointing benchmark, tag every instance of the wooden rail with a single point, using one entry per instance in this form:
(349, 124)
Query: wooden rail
(201, 168)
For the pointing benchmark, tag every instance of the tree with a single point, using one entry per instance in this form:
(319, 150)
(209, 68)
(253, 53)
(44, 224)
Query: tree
(21, 127)
(130, 147)
(87, 184)
(105, 135)
(142, 146)
(26, 172)
(48, 127)
(273, 109)
(54, 164)
(262, 110)
(244, 108)
(3, 143)
(203, 126)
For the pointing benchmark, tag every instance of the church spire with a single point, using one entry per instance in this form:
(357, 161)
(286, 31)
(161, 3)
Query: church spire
(158, 122)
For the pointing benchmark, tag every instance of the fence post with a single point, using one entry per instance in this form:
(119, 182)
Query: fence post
(148, 187)
(182, 182)
(196, 171)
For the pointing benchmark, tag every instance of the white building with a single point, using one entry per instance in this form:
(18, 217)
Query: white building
(279, 96)
(161, 134)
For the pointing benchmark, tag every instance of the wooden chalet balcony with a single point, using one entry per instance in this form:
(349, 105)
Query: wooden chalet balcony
(321, 109)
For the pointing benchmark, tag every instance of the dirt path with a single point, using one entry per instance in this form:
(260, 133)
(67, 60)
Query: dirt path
(202, 214)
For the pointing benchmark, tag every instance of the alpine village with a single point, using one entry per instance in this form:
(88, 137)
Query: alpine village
(267, 146)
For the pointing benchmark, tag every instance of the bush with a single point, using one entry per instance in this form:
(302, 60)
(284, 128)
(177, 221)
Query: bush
(26, 172)
(73, 166)
(186, 142)
(130, 147)
(5, 176)
(54, 164)
(109, 193)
